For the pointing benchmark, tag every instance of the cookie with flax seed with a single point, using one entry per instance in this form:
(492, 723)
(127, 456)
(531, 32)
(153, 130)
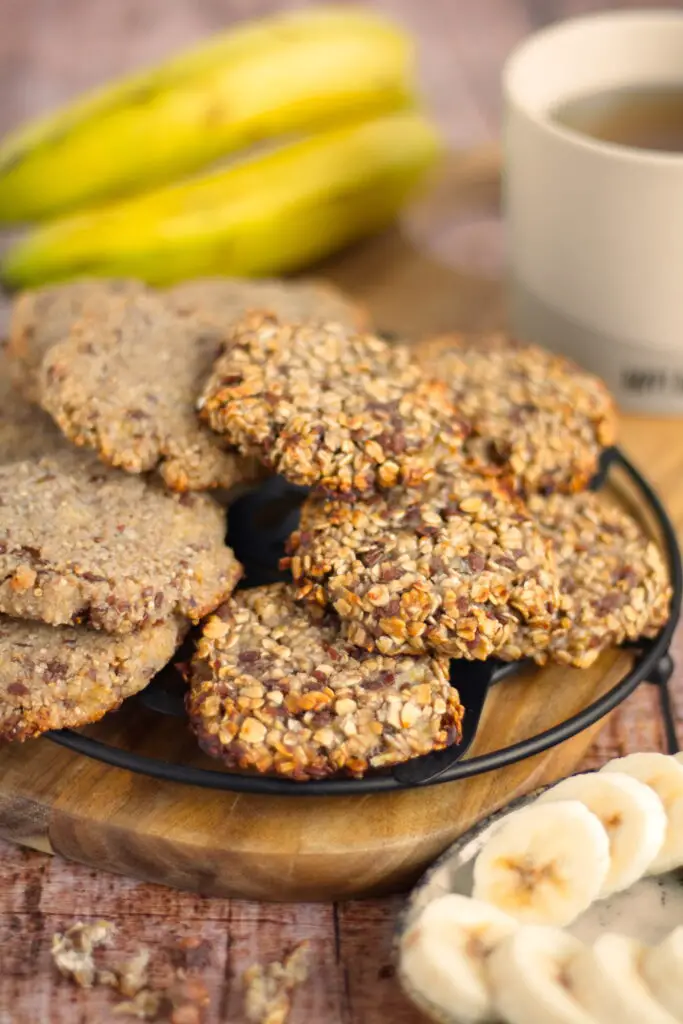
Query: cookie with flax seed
(451, 569)
(26, 432)
(82, 543)
(534, 415)
(277, 692)
(328, 408)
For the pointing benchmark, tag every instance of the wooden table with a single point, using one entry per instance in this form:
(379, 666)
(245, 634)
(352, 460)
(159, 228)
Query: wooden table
(48, 52)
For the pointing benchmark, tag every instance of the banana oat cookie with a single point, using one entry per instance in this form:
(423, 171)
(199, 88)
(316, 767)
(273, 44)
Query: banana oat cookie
(276, 692)
(66, 676)
(125, 383)
(327, 407)
(26, 432)
(533, 414)
(452, 569)
(614, 585)
(81, 543)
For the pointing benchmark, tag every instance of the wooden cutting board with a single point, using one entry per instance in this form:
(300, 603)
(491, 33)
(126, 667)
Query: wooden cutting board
(303, 848)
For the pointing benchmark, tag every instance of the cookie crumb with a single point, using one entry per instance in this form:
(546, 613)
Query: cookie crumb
(268, 989)
(72, 951)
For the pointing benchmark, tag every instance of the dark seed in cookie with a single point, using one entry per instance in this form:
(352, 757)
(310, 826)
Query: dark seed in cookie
(326, 407)
(451, 569)
(276, 692)
(80, 542)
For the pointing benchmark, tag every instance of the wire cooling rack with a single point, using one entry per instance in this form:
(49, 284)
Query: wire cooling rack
(259, 525)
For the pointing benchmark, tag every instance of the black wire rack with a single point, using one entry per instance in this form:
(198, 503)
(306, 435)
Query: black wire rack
(259, 524)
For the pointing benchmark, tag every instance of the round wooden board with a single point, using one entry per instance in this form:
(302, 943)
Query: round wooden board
(304, 848)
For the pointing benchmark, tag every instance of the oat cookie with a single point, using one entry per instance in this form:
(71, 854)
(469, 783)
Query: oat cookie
(81, 543)
(26, 432)
(452, 569)
(614, 585)
(325, 407)
(125, 383)
(533, 414)
(45, 316)
(56, 678)
(274, 691)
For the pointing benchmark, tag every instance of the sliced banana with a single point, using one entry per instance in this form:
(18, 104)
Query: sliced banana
(544, 864)
(630, 812)
(662, 968)
(664, 774)
(606, 980)
(442, 957)
(527, 977)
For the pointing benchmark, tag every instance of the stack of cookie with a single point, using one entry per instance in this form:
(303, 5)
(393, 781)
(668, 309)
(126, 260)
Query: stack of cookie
(447, 518)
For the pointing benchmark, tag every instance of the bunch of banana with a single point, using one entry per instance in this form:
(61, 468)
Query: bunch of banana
(315, 108)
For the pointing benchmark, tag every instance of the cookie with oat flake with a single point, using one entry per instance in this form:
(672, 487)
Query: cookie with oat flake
(26, 432)
(82, 543)
(614, 585)
(450, 570)
(328, 408)
(276, 692)
(534, 415)
(67, 676)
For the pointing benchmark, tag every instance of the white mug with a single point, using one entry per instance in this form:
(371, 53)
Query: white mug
(595, 230)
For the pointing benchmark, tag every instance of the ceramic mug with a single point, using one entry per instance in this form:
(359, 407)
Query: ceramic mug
(595, 230)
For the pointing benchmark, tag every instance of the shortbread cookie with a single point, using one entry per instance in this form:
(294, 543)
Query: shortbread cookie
(26, 431)
(81, 543)
(125, 383)
(534, 415)
(329, 408)
(276, 692)
(63, 677)
(614, 585)
(452, 569)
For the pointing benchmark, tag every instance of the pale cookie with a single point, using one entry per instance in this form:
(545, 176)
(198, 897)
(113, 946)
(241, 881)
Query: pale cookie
(534, 416)
(275, 692)
(325, 407)
(26, 432)
(81, 543)
(451, 569)
(57, 678)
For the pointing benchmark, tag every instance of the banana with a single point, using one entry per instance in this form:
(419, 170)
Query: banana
(289, 74)
(264, 216)
(442, 957)
(662, 968)
(630, 812)
(544, 864)
(606, 980)
(526, 973)
(665, 776)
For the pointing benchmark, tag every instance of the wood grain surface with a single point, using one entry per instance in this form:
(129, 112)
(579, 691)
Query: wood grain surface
(50, 51)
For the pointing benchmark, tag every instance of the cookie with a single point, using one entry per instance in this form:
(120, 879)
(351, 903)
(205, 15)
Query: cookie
(81, 543)
(534, 415)
(325, 407)
(450, 570)
(57, 678)
(26, 432)
(43, 317)
(275, 692)
(125, 383)
(614, 585)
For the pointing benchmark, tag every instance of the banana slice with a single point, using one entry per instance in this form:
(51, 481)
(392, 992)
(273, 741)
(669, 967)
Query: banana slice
(527, 977)
(442, 958)
(606, 980)
(664, 774)
(545, 864)
(662, 968)
(630, 812)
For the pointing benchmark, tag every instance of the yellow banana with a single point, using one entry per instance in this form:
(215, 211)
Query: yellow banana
(290, 74)
(267, 215)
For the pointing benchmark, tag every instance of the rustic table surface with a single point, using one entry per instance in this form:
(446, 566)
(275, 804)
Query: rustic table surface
(48, 52)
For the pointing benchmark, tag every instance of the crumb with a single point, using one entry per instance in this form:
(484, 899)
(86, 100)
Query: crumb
(190, 953)
(145, 1005)
(268, 989)
(72, 951)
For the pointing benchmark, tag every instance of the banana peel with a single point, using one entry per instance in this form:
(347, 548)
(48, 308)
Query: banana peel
(283, 76)
(267, 215)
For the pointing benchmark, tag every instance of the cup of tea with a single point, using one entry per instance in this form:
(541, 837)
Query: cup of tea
(593, 198)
